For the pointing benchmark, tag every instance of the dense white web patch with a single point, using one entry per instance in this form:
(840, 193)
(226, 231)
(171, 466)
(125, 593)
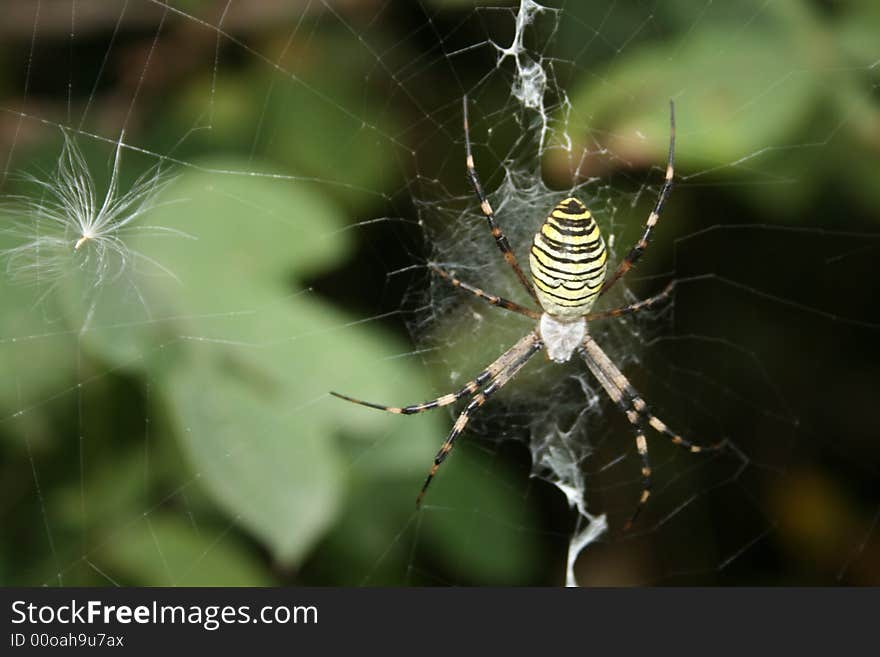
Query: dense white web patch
(530, 79)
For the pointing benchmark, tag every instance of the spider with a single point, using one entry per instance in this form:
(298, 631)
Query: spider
(568, 261)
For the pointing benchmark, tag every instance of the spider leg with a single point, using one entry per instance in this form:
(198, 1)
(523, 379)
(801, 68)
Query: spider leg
(634, 400)
(486, 208)
(613, 391)
(636, 252)
(634, 407)
(444, 400)
(633, 307)
(659, 426)
(489, 298)
(524, 349)
(469, 388)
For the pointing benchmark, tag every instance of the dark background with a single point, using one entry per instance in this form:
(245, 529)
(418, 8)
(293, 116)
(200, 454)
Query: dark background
(182, 434)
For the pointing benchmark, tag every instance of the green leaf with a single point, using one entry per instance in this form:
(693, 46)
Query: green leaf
(38, 353)
(718, 118)
(161, 549)
(275, 471)
(242, 365)
(235, 244)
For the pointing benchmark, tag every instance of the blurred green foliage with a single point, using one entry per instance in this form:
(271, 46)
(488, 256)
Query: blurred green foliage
(766, 87)
(162, 430)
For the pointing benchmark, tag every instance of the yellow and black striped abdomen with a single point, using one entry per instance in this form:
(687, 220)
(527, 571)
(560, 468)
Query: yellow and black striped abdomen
(568, 260)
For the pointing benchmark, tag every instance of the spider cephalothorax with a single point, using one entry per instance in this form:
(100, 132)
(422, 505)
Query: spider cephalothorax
(568, 261)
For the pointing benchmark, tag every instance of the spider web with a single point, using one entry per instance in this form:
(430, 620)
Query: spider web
(126, 468)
